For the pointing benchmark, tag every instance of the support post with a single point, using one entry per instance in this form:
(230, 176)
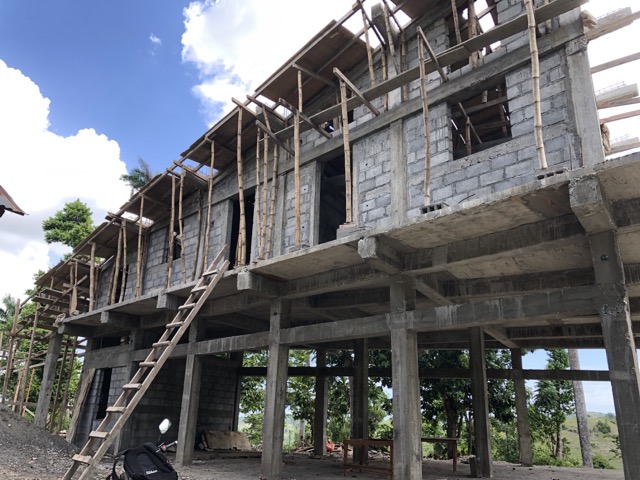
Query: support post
(190, 399)
(581, 412)
(276, 392)
(320, 411)
(407, 421)
(46, 387)
(11, 353)
(478, 370)
(360, 413)
(522, 411)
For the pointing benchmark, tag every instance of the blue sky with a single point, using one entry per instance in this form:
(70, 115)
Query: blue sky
(88, 87)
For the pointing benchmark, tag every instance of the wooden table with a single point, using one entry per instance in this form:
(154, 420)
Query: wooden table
(448, 441)
(363, 444)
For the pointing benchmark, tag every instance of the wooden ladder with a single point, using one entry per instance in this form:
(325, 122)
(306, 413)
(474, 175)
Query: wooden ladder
(133, 391)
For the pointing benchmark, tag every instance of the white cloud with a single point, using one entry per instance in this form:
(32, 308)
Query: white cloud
(155, 40)
(237, 45)
(42, 171)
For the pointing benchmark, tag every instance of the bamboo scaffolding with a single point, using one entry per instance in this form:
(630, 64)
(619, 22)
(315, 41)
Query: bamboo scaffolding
(170, 235)
(425, 120)
(22, 373)
(73, 301)
(116, 266)
(372, 75)
(139, 257)
(473, 31)
(183, 260)
(196, 255)
(123, 287)
(456, 21)
(347, 153)
(65, 396)
(385, 98)
(265, 180)
(392, 48)
(26, 397)
(272, 208)
(403, 64)
(535, 75)
(28, 361)
(241, 251)
(56, 395)
(258, 206)
(92, 277)
(296, 141)
(205, 260)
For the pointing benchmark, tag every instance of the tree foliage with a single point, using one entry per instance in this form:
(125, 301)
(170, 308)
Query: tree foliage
(70, 225)
(138, 177)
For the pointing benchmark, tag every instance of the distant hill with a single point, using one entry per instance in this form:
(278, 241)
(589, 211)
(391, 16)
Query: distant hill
(602, 430)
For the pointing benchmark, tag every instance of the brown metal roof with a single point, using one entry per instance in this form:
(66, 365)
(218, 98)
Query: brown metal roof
(7, 203)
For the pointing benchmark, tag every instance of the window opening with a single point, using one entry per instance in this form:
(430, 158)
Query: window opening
(249, 199)
(103, 395)
(482, 122)
(333, 210)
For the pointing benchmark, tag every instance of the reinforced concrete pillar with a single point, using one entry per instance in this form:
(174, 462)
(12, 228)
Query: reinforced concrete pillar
(522, 412)
(407, 421)
(320, 412)
(275, 394)
(190, 398)
(360, 385)
(581, 412)
(481, 426)
(46, 387)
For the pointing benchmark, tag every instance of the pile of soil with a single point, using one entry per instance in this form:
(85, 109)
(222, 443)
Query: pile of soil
(30, 452)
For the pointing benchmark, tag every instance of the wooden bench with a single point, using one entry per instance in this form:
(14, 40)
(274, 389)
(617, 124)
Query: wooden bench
(363, 444)
(448, 441)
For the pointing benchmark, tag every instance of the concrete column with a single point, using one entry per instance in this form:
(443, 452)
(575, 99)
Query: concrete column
(275, 394)
(481, 426)
(619, 342)
(522, 412)
(407, 421)
(190, 397)
(321, 403)
(360, 385)
(583, 101)
(237, 357)
(398, 162)
(136, 338)
(46, 387)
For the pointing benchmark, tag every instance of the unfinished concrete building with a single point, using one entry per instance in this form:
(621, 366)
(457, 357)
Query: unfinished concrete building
(437, 180)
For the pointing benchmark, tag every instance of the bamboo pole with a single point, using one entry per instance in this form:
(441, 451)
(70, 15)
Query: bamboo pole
(456, 20)
(403, 64)
(10, 353)
(205, 260)
(258, 206)
(392, 48)
(473, 31)
(296, 141)
(183, 260)
(425, 120)
(347, 152)
(116, 266)
(265, 191)
(241, 254)
(28, 361)
(26, 396)
(535, 75)
(139, 257)
(92, 277)
(65, 396)
(170, 234)
(52, 423)
(73, 274)
(124, 260)
(385, 75)
(372, 75)
(196, 255)
(272, 208)
(22, 373)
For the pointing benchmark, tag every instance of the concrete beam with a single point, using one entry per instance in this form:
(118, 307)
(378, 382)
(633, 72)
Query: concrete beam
(590, 205)
(350, 298)
(248, 281)
(167, 301)
(375, 252)
(495, 246)
(232, 303)
(119, 319)
(331, 281)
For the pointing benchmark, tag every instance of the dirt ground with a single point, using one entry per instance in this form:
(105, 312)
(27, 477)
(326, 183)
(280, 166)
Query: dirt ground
(30, 453)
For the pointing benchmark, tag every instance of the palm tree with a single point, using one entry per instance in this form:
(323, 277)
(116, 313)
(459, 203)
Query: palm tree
(138, 177)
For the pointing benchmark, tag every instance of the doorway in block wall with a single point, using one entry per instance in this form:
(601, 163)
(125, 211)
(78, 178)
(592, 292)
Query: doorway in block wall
(103, 394)
(333, 210)
(249, 204)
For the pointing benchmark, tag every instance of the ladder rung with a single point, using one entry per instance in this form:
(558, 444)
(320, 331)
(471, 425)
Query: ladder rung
(147, 364)
(132, 386)
(210, 272)
(116, 409)
(186, 306)
(83, 458)
(199, 289)
(161, 344)
(97, 434)
(174, 324)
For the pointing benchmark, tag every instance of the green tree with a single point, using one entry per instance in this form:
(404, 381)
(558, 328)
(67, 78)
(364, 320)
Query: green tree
(138, 177)
(552, 403)
(7, 311)
(70, 225)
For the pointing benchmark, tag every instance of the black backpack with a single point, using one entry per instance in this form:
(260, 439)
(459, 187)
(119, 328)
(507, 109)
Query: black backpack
(145, 462)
